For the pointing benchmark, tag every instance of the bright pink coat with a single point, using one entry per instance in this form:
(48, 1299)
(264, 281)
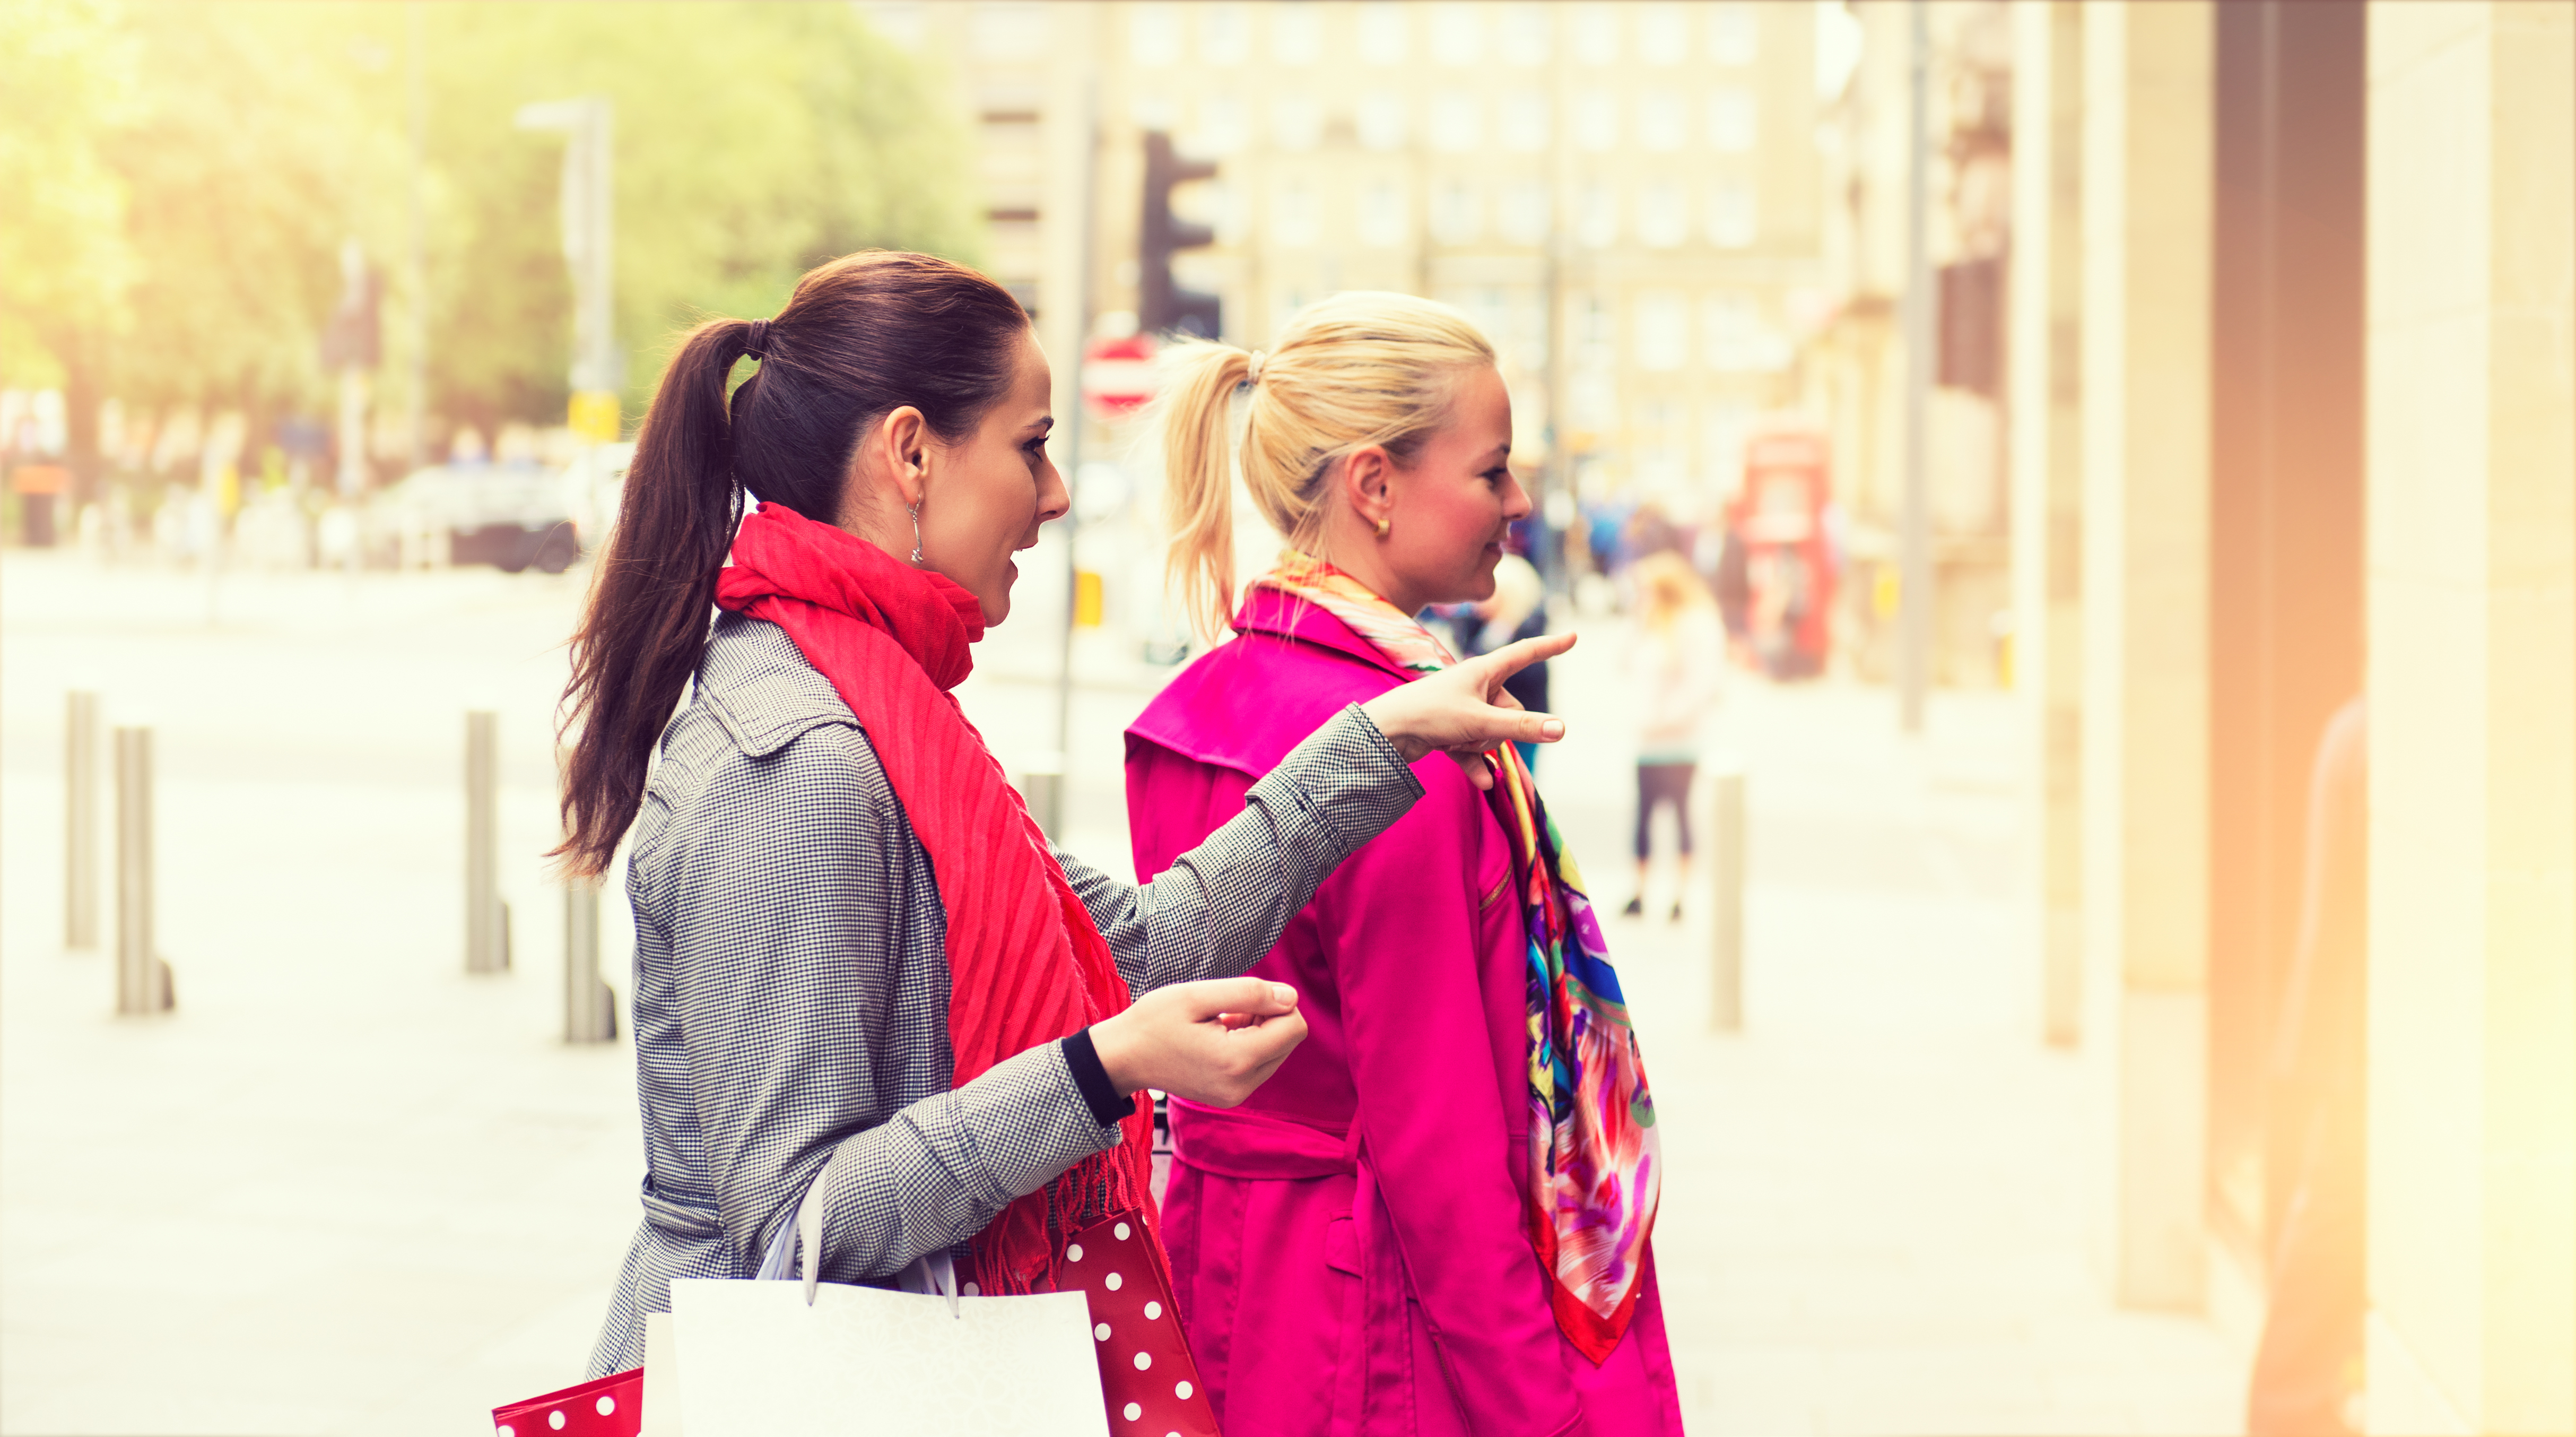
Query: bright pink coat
(1348, 1246)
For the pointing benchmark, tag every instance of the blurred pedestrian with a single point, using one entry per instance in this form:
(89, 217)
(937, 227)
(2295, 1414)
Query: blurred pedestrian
(855, 953)
(1435, 1220)
(1675, 664)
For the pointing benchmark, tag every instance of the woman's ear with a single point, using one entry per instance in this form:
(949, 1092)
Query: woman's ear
(1367, 477)
(887, 470)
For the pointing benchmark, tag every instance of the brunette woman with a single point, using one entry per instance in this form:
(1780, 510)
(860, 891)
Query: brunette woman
(852, 946)
(1434, 1218)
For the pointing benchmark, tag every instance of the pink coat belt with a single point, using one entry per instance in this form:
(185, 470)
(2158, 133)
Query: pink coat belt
(1374, 1384)
(1250, 1143)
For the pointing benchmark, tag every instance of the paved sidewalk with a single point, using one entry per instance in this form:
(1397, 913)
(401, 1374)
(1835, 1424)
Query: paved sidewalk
(1877, 1219)
(347, 1189)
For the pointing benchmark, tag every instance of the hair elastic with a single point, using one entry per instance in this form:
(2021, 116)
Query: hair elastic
(759, 340)
(1260, 357)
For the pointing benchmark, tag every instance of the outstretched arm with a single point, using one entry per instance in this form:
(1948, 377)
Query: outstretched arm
(1224, 903)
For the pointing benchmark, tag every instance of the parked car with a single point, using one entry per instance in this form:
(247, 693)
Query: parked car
(511, 516)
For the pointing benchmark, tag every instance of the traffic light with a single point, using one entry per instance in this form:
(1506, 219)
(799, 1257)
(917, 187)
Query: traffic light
(1972, 320)
(1161, 305)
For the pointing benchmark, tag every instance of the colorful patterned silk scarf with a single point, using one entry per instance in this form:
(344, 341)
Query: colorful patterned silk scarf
(1595, 1161)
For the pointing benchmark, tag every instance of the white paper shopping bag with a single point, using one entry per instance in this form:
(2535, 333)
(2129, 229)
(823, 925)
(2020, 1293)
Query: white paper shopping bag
(755, 1360)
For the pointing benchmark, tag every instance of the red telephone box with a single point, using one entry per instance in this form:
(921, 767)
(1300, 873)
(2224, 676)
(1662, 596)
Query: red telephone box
(1784, 520)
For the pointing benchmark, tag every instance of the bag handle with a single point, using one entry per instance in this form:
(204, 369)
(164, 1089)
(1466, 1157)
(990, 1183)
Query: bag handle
(801, 1243)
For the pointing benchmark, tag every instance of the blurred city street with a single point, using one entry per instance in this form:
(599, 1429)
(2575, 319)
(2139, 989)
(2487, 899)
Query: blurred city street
(346, 1188)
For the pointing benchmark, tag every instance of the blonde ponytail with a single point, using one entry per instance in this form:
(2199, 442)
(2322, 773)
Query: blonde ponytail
(1198, 479)
(1359, 369)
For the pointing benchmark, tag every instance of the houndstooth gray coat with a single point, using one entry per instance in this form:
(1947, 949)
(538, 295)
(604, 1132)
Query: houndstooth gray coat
(791, 979)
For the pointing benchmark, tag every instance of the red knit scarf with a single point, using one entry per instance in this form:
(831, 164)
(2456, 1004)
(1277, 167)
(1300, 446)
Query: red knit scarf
(1025, 964)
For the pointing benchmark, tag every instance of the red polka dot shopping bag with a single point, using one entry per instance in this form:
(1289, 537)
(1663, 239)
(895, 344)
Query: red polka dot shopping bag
(1145, 1367)
(1100, 1356)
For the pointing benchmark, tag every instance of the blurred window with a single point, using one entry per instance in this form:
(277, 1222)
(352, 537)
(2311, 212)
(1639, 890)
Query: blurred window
(1380, 117)
(1457, 121)
(1383, 32)
(1381, 216)
(1221, 126)
(1152, 110)
(1292, 215)
(1731, 115)
(1010, 31)
(1457, 213)
(1522, 119)
(1734, 30)
(1457, 33)
(1596, 334)
(1663, 33)
(1737, 341)
(1154, 34)
(1663, 329)
(1524, 34)
(1524, 212)
(1224, 208)
(1660, 122)
(1526, 333)
(1595, 33)
(1596, 223)
(1225, 34)
(1592, 399)
(1296, 122)
(1663, 215)
(1731, 213)
(1296, 34)
(1596, 120)
(1483, 306)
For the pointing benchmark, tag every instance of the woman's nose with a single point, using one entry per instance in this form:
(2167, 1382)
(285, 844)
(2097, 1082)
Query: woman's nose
(1516, 501)
(1055, 498)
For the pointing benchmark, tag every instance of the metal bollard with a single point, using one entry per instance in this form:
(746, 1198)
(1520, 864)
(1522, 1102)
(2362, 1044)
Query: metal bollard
(1042, 789)
(1726, 866)
(142, 979)
(487, 921)
(80, 821)
(590, 1009)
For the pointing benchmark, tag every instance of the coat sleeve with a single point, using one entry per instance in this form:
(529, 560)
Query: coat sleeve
(1408, 921)
(1221, 906)
(798, 900)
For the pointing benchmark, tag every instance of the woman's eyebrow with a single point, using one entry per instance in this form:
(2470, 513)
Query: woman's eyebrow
(1041, 424)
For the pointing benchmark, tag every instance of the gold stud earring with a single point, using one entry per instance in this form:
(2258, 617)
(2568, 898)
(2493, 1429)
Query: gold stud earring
(1384, 524)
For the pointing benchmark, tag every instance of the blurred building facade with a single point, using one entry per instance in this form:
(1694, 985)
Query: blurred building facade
(1627, 197)
(2292, 424)
(1865, 141)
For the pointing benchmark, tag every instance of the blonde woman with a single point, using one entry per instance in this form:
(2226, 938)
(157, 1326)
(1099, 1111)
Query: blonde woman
(1434, 1218)
(1675, 665)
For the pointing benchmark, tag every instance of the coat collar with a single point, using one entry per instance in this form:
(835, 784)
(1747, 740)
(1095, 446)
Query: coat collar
(1268, 611)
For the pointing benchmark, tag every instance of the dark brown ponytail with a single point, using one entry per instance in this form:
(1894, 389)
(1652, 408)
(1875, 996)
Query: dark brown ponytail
(862, 335)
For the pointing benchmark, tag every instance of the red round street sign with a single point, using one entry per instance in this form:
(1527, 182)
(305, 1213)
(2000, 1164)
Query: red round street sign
(1118, 374)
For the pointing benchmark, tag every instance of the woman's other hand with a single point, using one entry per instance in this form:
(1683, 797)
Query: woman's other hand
(1463, 711)
(1212, 1041)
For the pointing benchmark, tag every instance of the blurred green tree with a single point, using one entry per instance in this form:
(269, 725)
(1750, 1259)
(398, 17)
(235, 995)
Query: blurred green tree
(65, 266)
(180, 196)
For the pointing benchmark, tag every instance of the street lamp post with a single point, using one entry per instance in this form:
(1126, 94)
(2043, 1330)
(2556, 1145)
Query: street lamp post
(1914, 574)
(589, 216)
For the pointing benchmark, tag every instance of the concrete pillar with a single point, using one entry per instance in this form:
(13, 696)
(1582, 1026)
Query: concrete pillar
(2045, 392)
(2147, 243)
(2472, 636)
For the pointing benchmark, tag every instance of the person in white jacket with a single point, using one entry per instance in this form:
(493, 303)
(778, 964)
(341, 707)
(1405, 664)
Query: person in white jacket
(1675, 662)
